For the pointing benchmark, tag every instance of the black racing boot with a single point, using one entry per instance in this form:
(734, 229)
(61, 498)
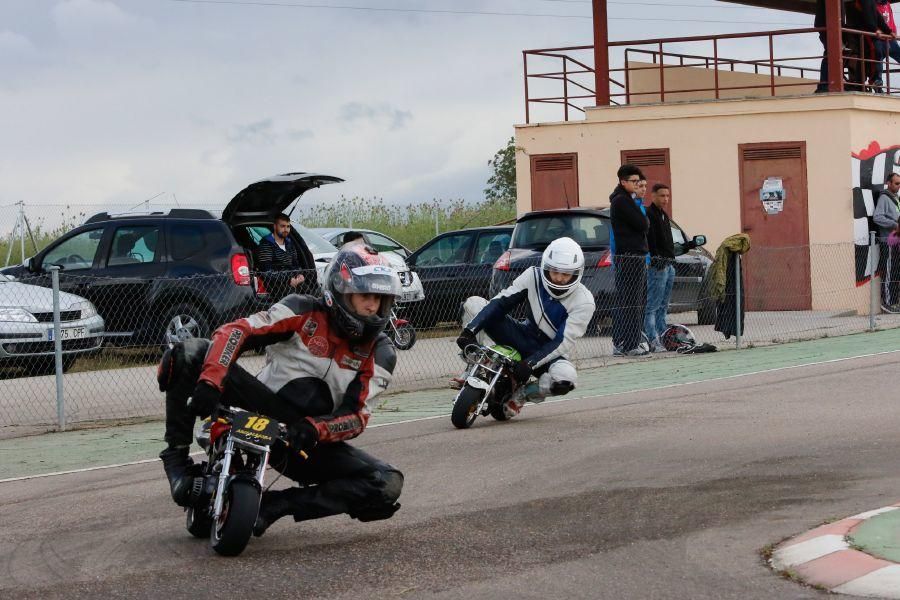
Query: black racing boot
(273, 506)
(177, 464)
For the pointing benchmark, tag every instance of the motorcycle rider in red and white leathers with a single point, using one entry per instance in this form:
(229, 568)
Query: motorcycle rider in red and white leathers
(326, 359)
(559, 310)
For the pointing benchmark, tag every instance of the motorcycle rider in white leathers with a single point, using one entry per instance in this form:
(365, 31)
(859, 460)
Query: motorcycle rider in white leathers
(559, 308)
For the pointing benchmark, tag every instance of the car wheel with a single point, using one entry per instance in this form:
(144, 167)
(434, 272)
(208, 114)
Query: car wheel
(183, 321)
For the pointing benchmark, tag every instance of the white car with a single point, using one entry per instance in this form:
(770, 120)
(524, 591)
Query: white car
(395, 252)
(26, 327)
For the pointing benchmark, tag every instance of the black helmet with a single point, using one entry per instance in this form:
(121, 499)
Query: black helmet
(678, 337)
(358, 269)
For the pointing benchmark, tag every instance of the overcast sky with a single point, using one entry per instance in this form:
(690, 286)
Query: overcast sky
(114, 101)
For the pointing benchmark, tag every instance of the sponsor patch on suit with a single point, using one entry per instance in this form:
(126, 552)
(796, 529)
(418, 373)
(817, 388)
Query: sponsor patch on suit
(318, 346)
(353, 363)
(310, 327)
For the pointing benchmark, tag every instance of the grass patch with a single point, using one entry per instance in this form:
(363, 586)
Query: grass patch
(411, 225)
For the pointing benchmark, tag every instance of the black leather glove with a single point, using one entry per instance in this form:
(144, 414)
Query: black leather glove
(204, 399)
(465, 338)
(521, 371)
(303, 436)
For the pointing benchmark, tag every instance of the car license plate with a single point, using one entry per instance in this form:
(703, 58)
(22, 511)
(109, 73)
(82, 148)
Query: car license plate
(70, 333)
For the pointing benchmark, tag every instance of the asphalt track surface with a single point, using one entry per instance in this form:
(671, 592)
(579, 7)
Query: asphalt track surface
(667, 493)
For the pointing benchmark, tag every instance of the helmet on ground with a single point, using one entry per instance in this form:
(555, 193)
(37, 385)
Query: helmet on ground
(677, 337)
(563, 255)
(358, 269)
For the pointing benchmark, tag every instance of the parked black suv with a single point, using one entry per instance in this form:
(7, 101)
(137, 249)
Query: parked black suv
(453, 266)
(590, 228)
(164, 276)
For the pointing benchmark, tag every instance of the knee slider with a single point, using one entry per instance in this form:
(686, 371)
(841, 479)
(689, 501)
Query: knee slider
(384, 504)
(393, 485)
(181, 365)
(561, 388)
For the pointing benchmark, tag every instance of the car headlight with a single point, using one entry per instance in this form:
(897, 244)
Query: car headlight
(16, 315)
(87, 309)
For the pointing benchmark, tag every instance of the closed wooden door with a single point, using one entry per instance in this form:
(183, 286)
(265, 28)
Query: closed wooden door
(554, 181)
(654, 163)
(774, 214)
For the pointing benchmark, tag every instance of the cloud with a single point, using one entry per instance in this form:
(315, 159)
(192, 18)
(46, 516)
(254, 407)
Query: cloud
(15, 43)
(382, 115)
(264, 133)
(259, 132)
(299, 134)
(92, 21)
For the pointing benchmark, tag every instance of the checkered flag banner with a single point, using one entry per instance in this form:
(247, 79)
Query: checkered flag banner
(870, 169)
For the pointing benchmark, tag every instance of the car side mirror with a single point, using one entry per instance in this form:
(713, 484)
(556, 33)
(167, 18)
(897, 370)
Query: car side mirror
(31, 265)
(699, 240)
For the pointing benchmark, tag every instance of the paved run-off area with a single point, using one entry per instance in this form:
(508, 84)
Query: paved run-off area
(656, 493)
(85, 448)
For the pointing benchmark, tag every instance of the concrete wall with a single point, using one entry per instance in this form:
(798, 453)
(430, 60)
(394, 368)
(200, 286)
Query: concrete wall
(703, 139)
(643, 83)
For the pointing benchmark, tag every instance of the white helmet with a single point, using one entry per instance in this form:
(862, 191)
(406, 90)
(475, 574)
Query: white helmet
(565, 256)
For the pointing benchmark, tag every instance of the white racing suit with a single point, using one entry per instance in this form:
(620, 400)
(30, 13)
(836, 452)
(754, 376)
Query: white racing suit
(545, 338)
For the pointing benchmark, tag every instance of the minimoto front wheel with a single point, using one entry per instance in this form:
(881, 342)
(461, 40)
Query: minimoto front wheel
(230, 534)
(465, 408)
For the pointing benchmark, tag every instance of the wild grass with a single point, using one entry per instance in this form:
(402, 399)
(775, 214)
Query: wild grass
(411, 225)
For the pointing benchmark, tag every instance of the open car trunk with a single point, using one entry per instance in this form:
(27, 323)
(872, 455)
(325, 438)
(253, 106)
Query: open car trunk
(250, 234)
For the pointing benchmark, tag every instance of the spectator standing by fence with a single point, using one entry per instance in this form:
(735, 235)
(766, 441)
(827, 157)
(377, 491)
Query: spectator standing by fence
(661, 273)
(887, 212)
(628, 245)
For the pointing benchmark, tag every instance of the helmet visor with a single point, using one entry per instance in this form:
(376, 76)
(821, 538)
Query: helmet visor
(367, 279)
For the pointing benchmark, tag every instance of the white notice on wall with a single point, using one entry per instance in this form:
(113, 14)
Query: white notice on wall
(772, 195)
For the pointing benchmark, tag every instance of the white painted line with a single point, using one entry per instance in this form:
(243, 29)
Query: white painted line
(871, 513)
(87, 469)
(817, 547)
(416, 420)
(554, 401)
(881, 583)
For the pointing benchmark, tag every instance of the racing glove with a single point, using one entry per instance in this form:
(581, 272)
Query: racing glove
(303, 437)
(465, 338)
(205, 399)
(521, 371)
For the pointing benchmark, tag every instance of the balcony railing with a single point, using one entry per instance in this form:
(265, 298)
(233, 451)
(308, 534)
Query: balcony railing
(692, 68)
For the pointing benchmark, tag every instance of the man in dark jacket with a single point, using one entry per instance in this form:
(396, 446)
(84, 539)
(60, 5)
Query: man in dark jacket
(661, 274)
(285, 265)
(628, 245)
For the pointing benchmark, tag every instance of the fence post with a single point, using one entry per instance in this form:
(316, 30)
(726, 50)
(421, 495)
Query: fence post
(57, 351)
(437, 229)
(737, 299)
(873, 289)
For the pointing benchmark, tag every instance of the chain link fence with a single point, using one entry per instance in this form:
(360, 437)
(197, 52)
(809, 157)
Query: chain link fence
(85, 350)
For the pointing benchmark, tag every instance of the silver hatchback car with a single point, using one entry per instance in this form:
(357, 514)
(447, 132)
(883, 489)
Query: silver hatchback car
(26, 327)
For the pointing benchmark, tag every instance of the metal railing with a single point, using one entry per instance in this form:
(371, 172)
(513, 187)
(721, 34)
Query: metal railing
(565, 76)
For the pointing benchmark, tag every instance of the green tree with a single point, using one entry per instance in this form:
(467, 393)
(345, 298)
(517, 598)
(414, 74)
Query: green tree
(502, 183)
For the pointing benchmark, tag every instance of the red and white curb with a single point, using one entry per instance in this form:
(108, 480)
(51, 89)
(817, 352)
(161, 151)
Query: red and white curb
(822, 557)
